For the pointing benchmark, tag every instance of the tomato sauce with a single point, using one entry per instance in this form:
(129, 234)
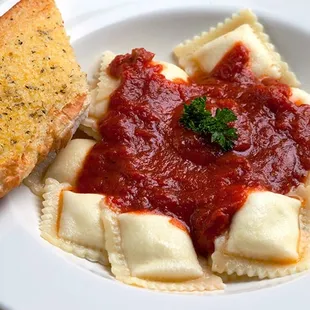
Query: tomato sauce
(146, 160)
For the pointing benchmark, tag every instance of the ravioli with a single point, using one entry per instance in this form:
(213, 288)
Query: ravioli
(172, 72)
(262, 62)
(266, 228)
(204, 52)
(63, 166)
(80, 219)
(69, 161)
(267, 238)
(107, 85)
(299, 96)
(72, 221)
(149, 250)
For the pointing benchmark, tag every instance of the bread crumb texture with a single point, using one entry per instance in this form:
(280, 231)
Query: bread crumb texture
(42, 88)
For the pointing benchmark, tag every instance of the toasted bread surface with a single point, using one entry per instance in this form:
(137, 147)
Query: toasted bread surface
(43, 92)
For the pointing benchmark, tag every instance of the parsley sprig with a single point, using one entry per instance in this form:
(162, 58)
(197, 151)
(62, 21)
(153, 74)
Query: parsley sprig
(198, 119)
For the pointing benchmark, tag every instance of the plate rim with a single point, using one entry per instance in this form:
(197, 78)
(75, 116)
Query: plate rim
(14, 234)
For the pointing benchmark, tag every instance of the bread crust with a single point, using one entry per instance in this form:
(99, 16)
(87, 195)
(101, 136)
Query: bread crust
(16, 169)
(63, 123)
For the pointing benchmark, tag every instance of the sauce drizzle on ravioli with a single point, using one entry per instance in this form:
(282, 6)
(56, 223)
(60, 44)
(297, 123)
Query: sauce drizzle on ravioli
(147, 161)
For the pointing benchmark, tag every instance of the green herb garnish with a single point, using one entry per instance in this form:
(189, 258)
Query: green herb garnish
(198, 119)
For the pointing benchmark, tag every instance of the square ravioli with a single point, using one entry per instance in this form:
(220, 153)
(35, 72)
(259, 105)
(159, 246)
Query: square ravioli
(203, 52)
(107, 85)
(64, 167)
(266, 228)
(100, 96)
(72, 221)
(299, 96)
(262, 61)
(80, 219)
(151, 243)
(69, 161)
(267, 238)
(150, 250)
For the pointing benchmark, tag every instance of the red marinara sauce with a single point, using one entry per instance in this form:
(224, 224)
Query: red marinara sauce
(146, 160)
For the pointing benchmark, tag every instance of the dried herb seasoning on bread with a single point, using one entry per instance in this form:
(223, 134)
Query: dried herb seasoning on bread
(43, 92)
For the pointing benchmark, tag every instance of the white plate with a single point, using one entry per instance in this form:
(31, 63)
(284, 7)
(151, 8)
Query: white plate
(33, 274)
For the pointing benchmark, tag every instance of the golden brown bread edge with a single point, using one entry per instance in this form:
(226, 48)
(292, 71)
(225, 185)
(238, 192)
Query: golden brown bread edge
(60, 123)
